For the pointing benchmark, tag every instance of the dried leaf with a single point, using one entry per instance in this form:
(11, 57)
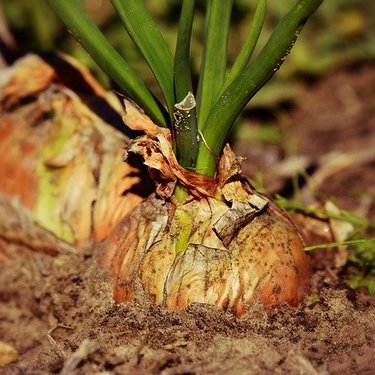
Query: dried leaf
(27, 77)
(136, 119)
(157, 152)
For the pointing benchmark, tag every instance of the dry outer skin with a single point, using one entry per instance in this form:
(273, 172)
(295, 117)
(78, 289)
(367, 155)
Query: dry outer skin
(17, 227)
(264, 260)
(62, 160)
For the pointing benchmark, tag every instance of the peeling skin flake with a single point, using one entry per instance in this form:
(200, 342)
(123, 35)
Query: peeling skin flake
(156, 149)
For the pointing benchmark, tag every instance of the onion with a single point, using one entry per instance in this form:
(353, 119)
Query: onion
(226, 245)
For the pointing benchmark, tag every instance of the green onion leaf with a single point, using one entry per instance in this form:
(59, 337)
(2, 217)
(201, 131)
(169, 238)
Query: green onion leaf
(147, 37)
(185, 131)
(185, 125)
(249, 45)
(249, 82)
(214, 57)
(90, 37)
(182, 72)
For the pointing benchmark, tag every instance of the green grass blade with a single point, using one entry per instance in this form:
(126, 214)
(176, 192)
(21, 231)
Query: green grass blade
(338, 244)
(249, 82)
(347, 216)
(147, 37)
(90, 37)
(249, 45)
(214, 57)
(185, 125)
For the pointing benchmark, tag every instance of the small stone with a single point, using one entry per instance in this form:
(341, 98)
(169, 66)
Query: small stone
(8, 354)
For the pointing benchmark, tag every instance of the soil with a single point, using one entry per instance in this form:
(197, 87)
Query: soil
(59, 314)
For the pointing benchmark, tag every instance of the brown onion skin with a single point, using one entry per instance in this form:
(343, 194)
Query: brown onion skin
(264, 262)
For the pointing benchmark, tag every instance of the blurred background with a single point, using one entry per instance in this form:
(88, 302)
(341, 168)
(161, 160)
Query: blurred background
(342, 33)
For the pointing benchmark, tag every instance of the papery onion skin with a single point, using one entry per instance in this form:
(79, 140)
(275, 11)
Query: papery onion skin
(60, 158)
(264, 262)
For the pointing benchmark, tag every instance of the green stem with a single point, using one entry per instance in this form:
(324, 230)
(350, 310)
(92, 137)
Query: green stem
(182, 71)
(214, 57)
(248, 83)
(249, 45)
(147, 37)
(185, 130)
(89, 36)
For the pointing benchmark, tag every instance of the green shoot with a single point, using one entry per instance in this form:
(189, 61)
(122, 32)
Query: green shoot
(249, 82)
(249, 45)
(182, 71)
(214, 62)
(145, 34)
(185, 131)
(361, 265)
(185, 126)
(201, 121)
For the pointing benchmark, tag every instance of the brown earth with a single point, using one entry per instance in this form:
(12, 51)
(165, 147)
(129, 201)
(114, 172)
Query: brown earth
(59, 315)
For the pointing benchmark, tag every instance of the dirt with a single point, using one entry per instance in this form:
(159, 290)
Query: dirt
(59, 314)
